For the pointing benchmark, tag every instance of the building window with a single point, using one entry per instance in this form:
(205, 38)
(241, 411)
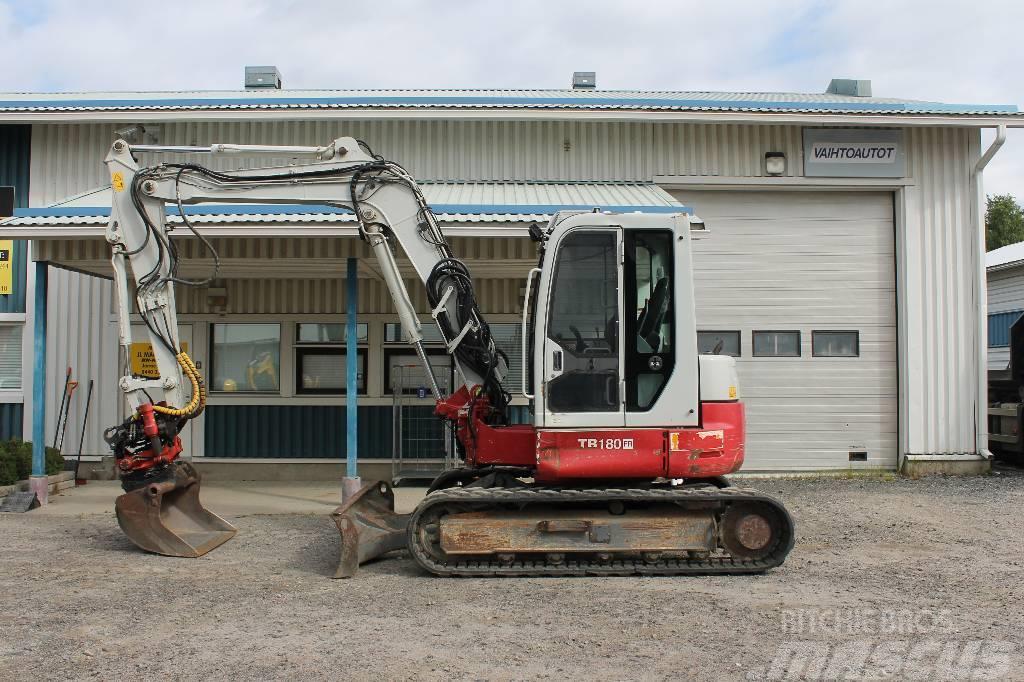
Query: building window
(246, 358)
(719, 343)
(328, 333)
(393, 333)
(403, 371)
(829, 344)
(508, 337)
(321, 361)
(320, 370)
(777, 344)
(10, 356)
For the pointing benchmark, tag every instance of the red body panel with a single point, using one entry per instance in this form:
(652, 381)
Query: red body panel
(715, 449)
(555, 455)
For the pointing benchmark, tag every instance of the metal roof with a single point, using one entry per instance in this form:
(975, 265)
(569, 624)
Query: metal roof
(1005, 257)
(642, 100)
(469, 202)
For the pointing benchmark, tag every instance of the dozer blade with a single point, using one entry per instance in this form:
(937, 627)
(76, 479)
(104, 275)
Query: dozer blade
(167, 518)
(369, 527)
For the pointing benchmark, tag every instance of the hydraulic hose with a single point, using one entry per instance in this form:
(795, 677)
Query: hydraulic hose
(198, 401)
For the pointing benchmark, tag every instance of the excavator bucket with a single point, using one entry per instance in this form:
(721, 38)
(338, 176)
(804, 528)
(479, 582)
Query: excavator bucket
(167, 518)
(369, 527)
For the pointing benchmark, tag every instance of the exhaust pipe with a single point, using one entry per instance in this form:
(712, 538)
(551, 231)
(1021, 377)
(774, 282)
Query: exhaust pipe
(167, 518)
(369, 527)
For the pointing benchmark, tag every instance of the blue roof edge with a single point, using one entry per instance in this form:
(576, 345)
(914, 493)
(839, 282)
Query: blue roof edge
(299, 209)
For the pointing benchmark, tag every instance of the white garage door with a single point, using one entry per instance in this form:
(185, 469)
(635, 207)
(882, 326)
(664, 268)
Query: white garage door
(807, 280)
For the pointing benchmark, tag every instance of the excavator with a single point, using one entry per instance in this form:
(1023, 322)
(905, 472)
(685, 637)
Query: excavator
(623, 470)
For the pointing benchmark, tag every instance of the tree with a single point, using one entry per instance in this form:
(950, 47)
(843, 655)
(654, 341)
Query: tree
(1004, 221)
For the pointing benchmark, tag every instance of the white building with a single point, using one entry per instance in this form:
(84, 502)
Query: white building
(844, 265)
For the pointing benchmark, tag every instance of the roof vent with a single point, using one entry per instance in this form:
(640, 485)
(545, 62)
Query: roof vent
(584, 80)
(259, 77)
(849, 87)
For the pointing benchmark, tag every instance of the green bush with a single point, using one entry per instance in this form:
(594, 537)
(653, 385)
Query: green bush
(54, 461)
(16, 461)
(8, 472)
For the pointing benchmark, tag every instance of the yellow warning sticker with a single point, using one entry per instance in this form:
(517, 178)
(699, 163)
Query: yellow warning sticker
(143, 361)
(6, 273)
(117, 182)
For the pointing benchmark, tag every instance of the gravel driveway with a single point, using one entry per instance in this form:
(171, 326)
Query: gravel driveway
(889, 578)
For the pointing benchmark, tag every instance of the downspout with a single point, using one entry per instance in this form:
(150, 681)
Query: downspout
(981, 286)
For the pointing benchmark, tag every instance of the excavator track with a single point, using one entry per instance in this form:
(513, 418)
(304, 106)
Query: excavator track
(745, 531)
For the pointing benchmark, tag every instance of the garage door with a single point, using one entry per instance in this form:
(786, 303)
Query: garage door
(806, 283)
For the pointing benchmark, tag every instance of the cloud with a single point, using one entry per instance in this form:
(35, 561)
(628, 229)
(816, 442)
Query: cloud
(925, 50)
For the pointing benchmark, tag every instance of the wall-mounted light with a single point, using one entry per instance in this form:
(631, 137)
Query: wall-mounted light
(775, 163)
(217, 300)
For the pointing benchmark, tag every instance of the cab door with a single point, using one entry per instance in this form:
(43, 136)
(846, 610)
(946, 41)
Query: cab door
(582, 358)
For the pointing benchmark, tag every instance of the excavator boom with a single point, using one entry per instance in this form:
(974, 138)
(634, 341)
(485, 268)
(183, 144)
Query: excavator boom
(160, 510)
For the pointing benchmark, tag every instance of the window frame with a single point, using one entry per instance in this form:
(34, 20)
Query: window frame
(856, 342)
(739, 340)
(429, 328)
(299, 343)
(19, 332)
(329, 349)
(753, 343)
(212, 332)
(391, 351)
(636, 362)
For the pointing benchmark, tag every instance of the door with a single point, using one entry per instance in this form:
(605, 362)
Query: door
(801, 286)
(649, 330)
(582, 356)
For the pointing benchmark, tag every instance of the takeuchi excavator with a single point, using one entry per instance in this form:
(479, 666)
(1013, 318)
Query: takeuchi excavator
(622, 471)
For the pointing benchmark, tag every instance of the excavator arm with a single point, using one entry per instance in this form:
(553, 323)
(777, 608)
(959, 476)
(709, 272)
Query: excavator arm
(160, 510)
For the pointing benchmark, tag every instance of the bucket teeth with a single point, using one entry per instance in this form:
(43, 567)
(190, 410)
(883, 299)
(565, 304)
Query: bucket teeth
(369, 527)
(167, 518)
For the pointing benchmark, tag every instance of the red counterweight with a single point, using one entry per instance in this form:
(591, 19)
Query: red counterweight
(556, 455)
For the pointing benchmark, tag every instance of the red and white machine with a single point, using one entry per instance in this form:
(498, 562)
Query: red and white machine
(621, 471)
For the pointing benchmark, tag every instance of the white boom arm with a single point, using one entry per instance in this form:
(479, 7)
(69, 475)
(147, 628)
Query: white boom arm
(388, 206)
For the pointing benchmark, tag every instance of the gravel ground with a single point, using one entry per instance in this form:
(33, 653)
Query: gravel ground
(889, 578)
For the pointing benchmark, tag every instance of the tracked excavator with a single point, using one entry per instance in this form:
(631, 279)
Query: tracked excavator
(622, 471)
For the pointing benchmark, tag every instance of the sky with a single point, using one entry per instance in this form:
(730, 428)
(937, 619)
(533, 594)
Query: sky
(961, 52)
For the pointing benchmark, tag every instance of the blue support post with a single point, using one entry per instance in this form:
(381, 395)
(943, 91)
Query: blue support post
(38, 480)
(351, 483)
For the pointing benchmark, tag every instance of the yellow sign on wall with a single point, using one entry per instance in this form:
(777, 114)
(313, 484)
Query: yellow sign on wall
(6, 266)
(144, 361)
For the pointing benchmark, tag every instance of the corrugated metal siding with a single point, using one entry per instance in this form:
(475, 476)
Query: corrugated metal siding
(80, 336)
(940, 315)
(1005, 295)
(999, 328)
(294, 431)
(312, 296)
(15, 152)
(67, 159)
(520, 414)
(11, 415)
